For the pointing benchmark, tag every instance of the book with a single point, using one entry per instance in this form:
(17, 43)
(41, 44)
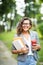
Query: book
(18, 43)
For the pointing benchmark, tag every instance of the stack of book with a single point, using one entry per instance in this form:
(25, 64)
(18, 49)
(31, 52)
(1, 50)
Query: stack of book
(18, 43)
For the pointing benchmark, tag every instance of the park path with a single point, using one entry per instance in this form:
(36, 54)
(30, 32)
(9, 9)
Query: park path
(6, 56)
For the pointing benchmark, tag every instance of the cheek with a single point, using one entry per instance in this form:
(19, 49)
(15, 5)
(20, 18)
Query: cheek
(30, 27)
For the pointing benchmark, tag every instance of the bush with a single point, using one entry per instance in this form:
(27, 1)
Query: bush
(40, 27)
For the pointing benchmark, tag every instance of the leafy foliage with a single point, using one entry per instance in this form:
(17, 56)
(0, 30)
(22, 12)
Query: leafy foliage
(6, 6)
(40, 27)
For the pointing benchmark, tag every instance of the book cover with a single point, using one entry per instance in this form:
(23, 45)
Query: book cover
(18, 43)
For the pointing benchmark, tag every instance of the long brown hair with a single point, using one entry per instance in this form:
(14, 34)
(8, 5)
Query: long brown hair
(19, 27)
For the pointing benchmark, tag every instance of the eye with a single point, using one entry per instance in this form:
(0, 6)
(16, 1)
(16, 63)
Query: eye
(25, 23)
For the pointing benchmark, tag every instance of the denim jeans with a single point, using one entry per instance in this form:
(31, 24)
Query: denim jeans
(29, 61)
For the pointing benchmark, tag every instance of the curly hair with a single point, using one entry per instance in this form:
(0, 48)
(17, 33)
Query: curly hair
(19, 27)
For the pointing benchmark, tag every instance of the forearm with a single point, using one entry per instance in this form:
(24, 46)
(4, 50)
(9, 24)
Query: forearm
(16, 51)
(23, 50)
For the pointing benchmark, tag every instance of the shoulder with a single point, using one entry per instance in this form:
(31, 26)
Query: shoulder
(33, 33)
(15, 35)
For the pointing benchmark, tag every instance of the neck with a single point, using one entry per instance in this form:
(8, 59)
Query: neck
(25, 32)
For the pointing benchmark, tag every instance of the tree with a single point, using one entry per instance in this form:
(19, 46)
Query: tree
(6, 7)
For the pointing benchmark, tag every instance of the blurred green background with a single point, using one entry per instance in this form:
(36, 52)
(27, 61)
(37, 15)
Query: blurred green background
(11, 11)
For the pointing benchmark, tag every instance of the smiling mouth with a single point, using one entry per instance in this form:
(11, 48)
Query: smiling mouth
(25, 27)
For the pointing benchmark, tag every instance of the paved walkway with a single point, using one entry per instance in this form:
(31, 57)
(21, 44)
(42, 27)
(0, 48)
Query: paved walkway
(6, 56)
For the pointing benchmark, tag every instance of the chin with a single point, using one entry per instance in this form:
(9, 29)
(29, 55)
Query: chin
(25, 30)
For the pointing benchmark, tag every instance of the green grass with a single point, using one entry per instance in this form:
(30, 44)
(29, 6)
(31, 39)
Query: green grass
(7, 38)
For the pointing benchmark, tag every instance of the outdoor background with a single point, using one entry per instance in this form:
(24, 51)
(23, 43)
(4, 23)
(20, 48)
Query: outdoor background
(11, 11)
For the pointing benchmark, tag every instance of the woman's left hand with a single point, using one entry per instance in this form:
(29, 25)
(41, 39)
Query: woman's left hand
(36, 47)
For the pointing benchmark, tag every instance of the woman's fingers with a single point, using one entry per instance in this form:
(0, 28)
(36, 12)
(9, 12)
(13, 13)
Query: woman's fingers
(36, 47)
(25, 50)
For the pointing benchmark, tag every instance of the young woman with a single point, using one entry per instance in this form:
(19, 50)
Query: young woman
(30, 38)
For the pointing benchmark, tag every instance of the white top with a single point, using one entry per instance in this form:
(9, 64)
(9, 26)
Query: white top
(28, 42)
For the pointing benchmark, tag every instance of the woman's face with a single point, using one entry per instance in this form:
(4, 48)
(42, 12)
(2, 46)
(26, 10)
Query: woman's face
(26, 25)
